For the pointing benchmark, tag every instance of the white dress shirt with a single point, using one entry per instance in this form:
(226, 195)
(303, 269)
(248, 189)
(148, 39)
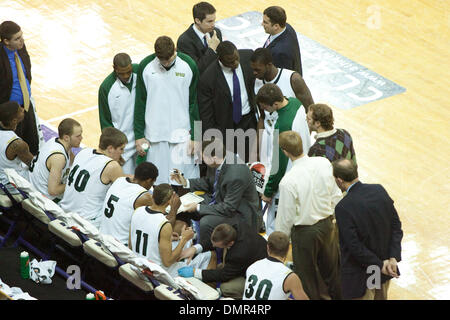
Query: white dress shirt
(200, 34)
(228, 73)
(308, 193)
(273, 37)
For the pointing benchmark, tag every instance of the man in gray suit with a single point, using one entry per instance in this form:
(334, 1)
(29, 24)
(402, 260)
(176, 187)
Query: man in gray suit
(230, 192)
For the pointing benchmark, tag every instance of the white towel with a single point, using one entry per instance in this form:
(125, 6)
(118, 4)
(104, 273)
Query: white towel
(43, 271)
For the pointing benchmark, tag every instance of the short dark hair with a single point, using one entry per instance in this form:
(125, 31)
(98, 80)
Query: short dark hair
(225, 48)
(345, 169)
(262, 55)
(164, 47)
(112, 137)
(291, 141)
(8, 112)
(276, 14)
(162, 193)
(224, 233)
(146, 170)
(322, 113)
(269, 94)
(202, 9)
(8, 29)
(121, 60)
(66, 126)
(278, 243)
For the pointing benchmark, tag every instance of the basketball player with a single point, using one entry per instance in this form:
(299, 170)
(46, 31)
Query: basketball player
(166, 109)
(92, 173)
(52, 165)
(151, 235)
(289, 116)
(269, 278)
(126, 195)
(290, 82)
(116, 98)
(13, 150)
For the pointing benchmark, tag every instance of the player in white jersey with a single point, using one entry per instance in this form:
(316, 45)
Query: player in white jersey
(116, 98)
(52, 164)
(152, 236)
(14, 152)
(290, 82)
(92, 173)
(269, 278)
(165, 110)
(124, 196)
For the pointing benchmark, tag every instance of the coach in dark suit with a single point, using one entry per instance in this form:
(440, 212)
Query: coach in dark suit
(226, 98)
(230, 192)
(282, 40)
(13, 50)
(201, 39)
(242, 247)
(370, 235)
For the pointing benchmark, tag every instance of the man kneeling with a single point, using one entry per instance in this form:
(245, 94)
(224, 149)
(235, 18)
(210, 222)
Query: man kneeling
(152, 236)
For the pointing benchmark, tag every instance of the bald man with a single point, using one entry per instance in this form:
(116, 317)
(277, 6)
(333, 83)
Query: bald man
(116, 104)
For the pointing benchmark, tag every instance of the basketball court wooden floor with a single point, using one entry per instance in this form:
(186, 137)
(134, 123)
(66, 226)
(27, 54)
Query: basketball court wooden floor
(401, 141)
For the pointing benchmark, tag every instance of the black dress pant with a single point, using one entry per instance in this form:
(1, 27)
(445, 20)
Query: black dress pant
(27, 130)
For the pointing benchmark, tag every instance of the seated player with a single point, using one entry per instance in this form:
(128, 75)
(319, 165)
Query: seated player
(52, 164)
(269, 278)
(92, 173)
(152, 236)
(123, 197)
(13, 150)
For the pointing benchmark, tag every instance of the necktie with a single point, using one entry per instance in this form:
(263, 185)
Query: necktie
(237, 104)
(205, 43)
(216, 180)
(267, 42)
(23, 82)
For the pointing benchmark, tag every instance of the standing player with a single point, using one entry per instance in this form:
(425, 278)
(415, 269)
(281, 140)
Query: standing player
(51, 169)
(116, 98)
(269, 278)
(126, 195)
(91, 175)
(289, 116)
(166, 108)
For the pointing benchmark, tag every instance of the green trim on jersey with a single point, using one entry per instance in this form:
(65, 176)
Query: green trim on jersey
(141, 99)
(103, 105)
(194, 114)
(284, 122)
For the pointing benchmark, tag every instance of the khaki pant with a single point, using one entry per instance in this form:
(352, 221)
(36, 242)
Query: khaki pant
(233, 288)
(376, 294)
(315, 251)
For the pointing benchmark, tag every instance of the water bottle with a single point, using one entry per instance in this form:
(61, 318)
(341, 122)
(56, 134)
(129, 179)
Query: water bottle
(24, 265)
(90, 296)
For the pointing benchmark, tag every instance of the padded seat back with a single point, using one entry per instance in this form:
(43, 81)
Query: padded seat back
(128, 273)
(35, 211)
(95, 249)
(64, 232)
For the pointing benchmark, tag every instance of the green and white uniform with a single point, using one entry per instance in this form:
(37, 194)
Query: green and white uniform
(165, 110)
(85, 191)
(291, 117)
(265, 280)
(118, 207)
(39, 175)
(282, 80)
(6, 138)
(116, 109)
(146, 225)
